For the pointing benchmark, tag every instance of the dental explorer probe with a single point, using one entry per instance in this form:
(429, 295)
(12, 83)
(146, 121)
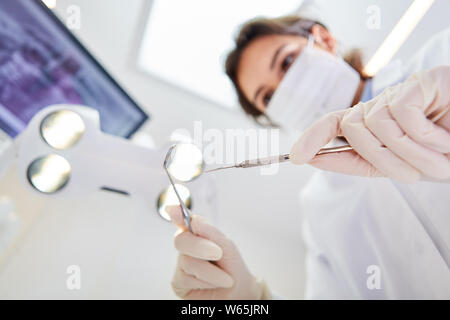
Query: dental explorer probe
(277, 159)
(285, 157)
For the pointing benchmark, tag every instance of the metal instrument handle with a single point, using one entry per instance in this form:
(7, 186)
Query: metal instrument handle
(286, 157)
(184, 209)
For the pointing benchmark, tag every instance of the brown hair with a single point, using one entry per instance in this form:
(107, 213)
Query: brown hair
(288, 25)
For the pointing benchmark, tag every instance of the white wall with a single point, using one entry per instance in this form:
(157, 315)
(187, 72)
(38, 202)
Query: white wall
(128, 258)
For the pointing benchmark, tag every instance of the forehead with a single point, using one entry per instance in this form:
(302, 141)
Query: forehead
(254, 65)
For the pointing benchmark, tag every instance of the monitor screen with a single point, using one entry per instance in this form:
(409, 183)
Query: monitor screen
(42, 63)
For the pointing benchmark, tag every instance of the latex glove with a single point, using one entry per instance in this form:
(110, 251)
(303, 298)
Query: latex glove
(209, 264)
(392, 135)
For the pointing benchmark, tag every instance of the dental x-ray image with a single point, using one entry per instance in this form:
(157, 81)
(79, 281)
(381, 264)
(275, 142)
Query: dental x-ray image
(42, 64)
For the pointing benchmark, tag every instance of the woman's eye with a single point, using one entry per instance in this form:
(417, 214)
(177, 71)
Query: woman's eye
(266, 98)
(286, 63)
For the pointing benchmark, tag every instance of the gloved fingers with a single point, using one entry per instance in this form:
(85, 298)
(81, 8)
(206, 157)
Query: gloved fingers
(199, 226)
(348, 162)
(424, 95)
(205, 230)
(183, 283)
(371, 149)
(386, 129)
(315, 137)
(205, 294)
(421, 129)
(444, 121)
(176, 216)
(205, 271)
(318, 135)
(197, 247)
(230, 259)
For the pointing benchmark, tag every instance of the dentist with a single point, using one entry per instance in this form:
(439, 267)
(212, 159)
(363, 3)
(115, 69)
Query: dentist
(286, 72)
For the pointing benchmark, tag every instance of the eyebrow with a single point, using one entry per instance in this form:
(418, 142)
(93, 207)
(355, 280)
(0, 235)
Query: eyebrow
(257, 93)
(272, 64)
(275, 56)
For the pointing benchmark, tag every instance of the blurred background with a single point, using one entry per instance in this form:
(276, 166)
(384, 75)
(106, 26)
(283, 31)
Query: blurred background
(168, 55)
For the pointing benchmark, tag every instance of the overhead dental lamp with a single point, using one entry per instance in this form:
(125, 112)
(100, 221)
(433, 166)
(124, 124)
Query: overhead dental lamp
(63, 153)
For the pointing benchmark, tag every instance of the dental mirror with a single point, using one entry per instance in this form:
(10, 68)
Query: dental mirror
(184, 162)
(168, 198)
(49, 174)
(62, 129)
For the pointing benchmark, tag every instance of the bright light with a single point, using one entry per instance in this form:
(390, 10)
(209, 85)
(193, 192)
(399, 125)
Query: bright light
(62, 129)
(398, 35)
(50, 3)
(185, 42)
(49, 173)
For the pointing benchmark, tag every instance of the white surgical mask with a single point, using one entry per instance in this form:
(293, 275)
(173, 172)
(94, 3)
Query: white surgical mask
(317, 83)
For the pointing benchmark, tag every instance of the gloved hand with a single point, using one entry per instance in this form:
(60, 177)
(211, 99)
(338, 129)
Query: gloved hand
(392, 135)
(209, 264)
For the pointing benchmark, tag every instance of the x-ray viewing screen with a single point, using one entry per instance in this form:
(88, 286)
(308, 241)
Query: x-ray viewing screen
(41, 63)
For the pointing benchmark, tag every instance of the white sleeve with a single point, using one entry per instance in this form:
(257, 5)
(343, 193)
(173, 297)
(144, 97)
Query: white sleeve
(320, 280)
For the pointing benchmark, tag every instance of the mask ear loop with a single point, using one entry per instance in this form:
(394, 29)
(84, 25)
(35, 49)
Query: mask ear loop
(311, 41)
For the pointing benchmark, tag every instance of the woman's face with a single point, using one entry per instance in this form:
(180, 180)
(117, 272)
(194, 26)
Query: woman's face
(266, 59)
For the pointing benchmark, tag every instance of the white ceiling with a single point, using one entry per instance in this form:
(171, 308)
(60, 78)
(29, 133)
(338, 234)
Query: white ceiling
(347, 21)
(187, 46)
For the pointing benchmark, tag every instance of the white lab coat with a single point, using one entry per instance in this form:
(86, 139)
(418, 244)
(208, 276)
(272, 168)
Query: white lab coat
(361, 230)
